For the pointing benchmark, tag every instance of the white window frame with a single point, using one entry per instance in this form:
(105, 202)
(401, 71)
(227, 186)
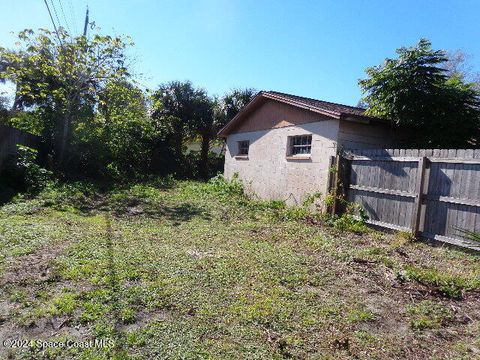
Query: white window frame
(292, 147)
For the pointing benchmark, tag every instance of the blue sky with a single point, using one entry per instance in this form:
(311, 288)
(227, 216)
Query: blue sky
(312, 48)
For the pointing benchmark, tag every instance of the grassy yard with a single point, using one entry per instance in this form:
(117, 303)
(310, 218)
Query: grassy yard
(192, 270)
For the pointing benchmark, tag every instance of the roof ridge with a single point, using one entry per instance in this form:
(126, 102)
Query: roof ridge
(309, 98)
(327, 108)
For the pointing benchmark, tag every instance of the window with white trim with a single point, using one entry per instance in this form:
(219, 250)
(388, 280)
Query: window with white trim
(300, 145)
(243, 147)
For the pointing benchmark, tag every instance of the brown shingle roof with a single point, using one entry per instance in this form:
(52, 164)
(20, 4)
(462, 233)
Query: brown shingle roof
(334, 110)
(326, 105)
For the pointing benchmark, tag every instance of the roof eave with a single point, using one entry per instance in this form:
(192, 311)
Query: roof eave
(333, 114)
(363, 118)
(224, 132)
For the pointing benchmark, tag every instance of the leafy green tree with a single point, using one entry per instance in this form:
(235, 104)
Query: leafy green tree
(29, 121)
(203, 124)
(62, 78)
(184, 113)
(429, 107)
(231, 104)
(173, 109)
(118, 141)
(4, 113)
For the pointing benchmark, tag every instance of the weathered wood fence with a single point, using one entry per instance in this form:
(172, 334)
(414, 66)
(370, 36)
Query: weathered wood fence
(432, 193)
(10, 137)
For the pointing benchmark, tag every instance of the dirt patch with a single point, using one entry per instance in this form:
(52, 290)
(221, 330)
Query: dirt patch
(143, 319)
(32, 268)
(42, 329)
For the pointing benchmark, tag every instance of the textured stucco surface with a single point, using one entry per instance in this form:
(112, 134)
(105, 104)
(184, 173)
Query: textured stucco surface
(353, 135)
(268, 173)
(274, 114)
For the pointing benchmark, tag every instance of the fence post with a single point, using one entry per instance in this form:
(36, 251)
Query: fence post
(417, 206)
(331, 161)
(331, 180)
(337, 160)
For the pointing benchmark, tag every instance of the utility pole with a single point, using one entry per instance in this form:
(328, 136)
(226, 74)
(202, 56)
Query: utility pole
(86, 23)
(71, 101)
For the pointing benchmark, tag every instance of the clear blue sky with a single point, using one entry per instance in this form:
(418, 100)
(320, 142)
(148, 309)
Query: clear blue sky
(312, 48)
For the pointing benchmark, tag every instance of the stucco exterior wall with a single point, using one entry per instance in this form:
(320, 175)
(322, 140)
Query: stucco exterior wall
(353, 135)
(274, 114)
(268, 174)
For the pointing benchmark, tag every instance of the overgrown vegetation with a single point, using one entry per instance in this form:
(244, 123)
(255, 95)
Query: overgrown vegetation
(429, 106)
(84, 99)
(469, 235)
(22, 172)
(182, 269)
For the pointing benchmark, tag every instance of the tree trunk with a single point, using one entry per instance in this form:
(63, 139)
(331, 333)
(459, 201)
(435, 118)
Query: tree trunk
(179, 148)
(66, 129)
(62, 149)
(16, 100)
(203, 166)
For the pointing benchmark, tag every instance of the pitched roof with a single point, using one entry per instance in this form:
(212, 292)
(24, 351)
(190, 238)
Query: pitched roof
(326, 105)
(334, 110)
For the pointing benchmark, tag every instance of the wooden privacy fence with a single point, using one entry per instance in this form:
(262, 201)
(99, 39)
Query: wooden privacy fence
(432, 193)
(10, 137)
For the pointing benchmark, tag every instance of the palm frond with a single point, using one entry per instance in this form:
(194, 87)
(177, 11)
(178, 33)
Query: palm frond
(467, 234)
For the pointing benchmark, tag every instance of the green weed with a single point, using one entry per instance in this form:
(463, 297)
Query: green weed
(428, 315)
(451, 286)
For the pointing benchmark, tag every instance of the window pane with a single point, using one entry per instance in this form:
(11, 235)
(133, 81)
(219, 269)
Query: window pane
(301, 144)
(243, 147)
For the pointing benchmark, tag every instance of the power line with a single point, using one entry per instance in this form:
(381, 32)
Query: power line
(53, 22)
(64, 17)
(56, 14)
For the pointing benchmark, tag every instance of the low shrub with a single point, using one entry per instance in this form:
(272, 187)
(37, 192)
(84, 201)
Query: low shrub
(354, 219)
(311, 199)
(349, 222)
(227, 187)
(23, 172)
(295, 213)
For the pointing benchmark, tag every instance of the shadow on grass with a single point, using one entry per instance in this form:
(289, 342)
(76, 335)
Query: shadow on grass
(176, 213)
(6, 194)
(114, 290)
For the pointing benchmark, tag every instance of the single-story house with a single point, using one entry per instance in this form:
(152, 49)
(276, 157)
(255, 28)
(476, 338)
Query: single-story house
(281, 145)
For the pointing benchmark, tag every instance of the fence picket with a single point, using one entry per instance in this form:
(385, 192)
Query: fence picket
(448, 180)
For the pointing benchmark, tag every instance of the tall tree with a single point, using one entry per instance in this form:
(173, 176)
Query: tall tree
(428, 106)
(203, 124)
(3, 109)
(185, 112)
(173, 109)
(62, 77)
(117, 142)
(231, 104)
(459, 64)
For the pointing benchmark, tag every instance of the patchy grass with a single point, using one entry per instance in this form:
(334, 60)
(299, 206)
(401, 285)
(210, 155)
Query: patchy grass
(428, 315)
(192, 270)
